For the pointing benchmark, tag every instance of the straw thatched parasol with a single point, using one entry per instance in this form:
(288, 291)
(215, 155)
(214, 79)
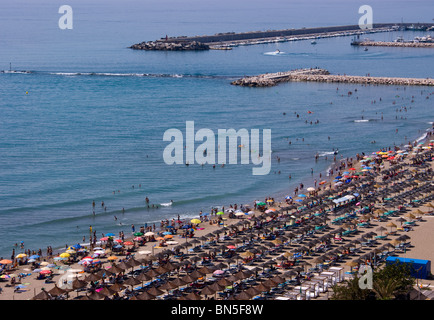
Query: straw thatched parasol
(193, 296)
(155, 291)
(410, 215)
(56, 291)
(107, 291)
(391, 225)
(145, 296)
(43, 295)
(224, 282)
(78, 283)
(395, 242)
(420, 212)
(207, 291)
(96, 296)
(243, 296)
(117, 287)
(352, 263)
(132, 282)
(381, 229)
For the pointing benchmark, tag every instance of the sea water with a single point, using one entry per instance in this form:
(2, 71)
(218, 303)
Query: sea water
(83, 117)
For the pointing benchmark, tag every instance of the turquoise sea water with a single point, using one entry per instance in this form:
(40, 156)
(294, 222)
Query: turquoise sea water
(92, 122)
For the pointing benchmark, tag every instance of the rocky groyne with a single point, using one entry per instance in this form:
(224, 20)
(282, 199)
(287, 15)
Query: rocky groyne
(407, 44)
(170, 46)
(322, 75)
(271, 79)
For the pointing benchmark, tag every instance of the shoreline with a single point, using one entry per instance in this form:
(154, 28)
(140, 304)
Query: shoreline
(307, 180)
(151, 248)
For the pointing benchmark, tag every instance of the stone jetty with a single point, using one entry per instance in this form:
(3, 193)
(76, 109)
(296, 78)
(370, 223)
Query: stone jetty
(406, 44)
(322, 75)
(170, 46)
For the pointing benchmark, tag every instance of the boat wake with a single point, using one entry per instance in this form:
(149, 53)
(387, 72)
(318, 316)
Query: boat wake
(274, 53)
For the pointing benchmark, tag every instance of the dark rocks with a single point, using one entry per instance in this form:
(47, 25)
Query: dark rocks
(170, 46)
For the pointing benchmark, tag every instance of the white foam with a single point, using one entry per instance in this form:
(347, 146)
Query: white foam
(422, 137)
(325, 153)
(166, 204)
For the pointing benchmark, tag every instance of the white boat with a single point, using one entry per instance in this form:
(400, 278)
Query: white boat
(313, 42)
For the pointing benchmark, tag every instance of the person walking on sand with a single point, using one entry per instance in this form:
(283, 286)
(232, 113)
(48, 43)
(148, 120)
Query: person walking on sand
(133, 228)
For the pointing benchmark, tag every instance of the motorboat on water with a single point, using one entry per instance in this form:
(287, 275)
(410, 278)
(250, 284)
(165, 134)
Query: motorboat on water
(313, 42)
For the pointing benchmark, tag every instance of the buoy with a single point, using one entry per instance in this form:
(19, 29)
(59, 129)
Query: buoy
(27, 92)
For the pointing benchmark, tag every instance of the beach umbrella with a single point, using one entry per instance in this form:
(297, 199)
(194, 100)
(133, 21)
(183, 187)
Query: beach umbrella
(5, 261)
(21, 255)
(96, 296)
(195, 221)
(206, 270)
(381, 229)
(262, 287)
(138, 234)
(109, 234)
(149, 234)
(128, 243)
(132, 282)
(391, 225)
(207, 291)
(243, 296)
(155, 291)
(395, 242)
(45, 271)
(78, 284)
(56, 291)
(43, 295)
(112, 258)
(115, 269)
(188, 278)
(64, 255)
(143, 277)
(410, 215)
(193, 296)
(220, 213)
(145, 296)
(93, 277)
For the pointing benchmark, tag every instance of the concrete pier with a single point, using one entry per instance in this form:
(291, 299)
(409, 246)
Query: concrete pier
(225, 41)
(322, 75)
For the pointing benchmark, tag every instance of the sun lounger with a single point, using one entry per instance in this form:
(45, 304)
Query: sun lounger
(381, 237)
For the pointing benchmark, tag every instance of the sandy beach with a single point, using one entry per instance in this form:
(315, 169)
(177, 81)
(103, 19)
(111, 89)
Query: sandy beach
(421, 235)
